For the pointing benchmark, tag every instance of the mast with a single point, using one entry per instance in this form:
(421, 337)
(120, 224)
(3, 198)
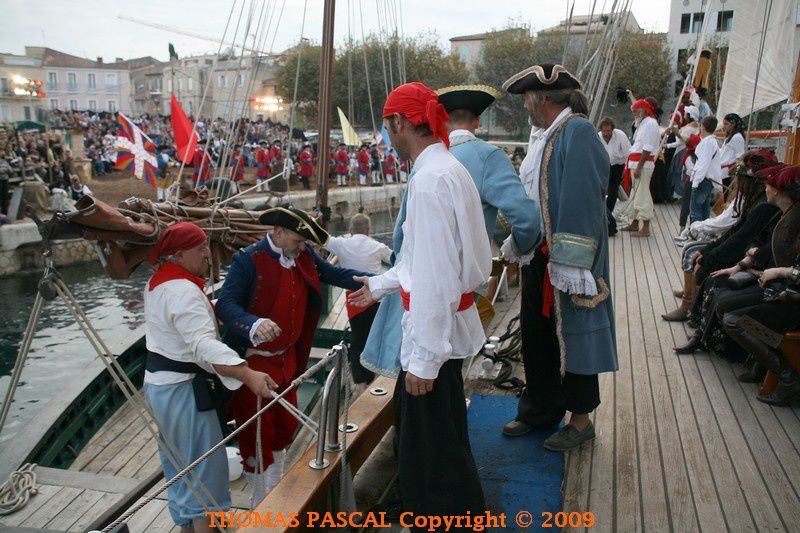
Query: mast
(793, 141)
(325, 102)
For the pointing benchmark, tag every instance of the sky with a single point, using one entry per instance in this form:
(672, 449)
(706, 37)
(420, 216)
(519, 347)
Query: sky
(91, 28)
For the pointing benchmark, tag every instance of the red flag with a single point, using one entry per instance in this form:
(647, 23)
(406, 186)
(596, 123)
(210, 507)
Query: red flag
(182, 130)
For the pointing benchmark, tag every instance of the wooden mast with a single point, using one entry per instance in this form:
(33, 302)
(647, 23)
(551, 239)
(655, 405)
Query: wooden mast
(325, 102)
(793, 141)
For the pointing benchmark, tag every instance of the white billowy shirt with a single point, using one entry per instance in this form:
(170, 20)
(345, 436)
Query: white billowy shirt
(732, 149)
(359, 252)
(617, 147)
(566, 278)
(707, 164)
(445, 253)
(180, 325)
(719, 224)
(646, 139)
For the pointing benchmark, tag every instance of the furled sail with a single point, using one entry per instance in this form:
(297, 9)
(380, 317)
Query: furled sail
(777, 60)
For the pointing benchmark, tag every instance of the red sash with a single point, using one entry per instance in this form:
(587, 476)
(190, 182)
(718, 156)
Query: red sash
(548, 294)
(627, 177)
(467, 300)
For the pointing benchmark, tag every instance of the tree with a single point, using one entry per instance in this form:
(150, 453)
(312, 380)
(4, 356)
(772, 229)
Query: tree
(308, 81)
(506, 52)
(424, 59)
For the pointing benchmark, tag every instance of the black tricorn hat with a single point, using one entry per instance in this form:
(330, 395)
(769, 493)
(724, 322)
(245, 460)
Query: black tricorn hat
(475, 98)
(544, 77)
(297, 220)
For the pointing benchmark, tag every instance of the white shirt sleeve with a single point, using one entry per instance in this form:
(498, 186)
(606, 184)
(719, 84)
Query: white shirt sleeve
(334, 245)
(192, 320)
(385, 284)
(384, 253)
(651, 137)
(435, 283)
(572, 279)
(705, 157)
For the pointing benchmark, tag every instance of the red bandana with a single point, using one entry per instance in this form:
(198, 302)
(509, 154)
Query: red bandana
(169, 271)
(643, 104)
(177, 237)
(420, 105)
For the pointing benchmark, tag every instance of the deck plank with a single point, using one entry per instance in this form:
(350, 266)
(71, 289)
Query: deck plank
(100, 506)
(45, 494)
(691, 445)
(54, 505)
(75, 510)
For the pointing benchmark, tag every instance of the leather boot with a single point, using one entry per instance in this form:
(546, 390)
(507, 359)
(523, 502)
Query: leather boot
(754, 373)
(681, 314)
(767, 356)
(784, 394)
(690, 347)
(633, 226)
(678, 293)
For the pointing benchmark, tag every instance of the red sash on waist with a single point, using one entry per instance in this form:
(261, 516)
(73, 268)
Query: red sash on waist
(627, 176)
(548, 294)
(467, 300)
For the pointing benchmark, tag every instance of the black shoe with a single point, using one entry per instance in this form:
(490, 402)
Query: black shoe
(783, 394)
(692, 346)
(754, 374)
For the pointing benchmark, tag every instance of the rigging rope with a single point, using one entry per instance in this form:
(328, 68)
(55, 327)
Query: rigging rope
(15, 493)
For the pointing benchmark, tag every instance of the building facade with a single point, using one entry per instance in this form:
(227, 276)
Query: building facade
(19, 75)
(79, 84)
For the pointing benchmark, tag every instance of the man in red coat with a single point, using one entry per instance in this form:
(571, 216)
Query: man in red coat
(262, 162)
(306, 160)
(237, 164)
(363, 164)
(391, 167)
(202, 164)
(342, 164)
(271, 302)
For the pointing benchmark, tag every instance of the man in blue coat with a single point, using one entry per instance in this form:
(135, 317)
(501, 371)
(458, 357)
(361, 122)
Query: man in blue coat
(566, 316)
(491, 169)
(500, 190)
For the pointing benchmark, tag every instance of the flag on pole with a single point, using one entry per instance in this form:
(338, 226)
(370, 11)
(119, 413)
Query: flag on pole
(385, 137)
(349, 135)
(185, 136)
(136, 152)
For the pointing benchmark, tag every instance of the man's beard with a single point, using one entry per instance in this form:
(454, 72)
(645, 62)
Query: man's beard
(637, 121)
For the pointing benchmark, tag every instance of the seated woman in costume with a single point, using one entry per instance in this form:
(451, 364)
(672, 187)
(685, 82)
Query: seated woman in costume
(712, 233)
(779, 248)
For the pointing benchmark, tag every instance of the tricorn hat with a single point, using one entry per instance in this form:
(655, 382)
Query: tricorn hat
(475, 98)
(297, 220)
(544, 77)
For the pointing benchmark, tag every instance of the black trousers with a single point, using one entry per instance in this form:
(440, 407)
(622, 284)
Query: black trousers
(686, 201)
(359, 328)
(547, 395)
(437, 473)
(614, 181)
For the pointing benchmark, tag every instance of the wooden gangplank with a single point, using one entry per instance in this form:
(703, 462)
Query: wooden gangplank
(304, 489)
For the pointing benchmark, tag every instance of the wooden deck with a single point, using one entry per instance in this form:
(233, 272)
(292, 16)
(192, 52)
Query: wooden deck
(681, 444)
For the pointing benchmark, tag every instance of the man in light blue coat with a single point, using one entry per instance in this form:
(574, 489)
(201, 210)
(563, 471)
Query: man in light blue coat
(491, 169)
(500, 189)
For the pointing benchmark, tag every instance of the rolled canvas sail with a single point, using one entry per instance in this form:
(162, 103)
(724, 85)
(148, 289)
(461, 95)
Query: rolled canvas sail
(777, 61)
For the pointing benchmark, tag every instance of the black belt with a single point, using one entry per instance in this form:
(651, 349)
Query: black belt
(209, 392)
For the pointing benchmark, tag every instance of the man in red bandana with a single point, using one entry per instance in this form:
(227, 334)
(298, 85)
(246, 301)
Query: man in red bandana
(640, 166)
(443, 257)
(183, 347)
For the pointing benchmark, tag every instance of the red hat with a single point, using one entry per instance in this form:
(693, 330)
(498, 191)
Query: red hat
(643, 104)
(421, 106)
(786, 180)
(177, 237)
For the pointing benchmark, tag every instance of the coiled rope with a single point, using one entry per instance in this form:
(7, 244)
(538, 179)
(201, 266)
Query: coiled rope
(15, 493)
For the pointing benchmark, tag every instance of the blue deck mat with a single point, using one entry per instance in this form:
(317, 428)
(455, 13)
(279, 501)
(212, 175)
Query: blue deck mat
(517, 473)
